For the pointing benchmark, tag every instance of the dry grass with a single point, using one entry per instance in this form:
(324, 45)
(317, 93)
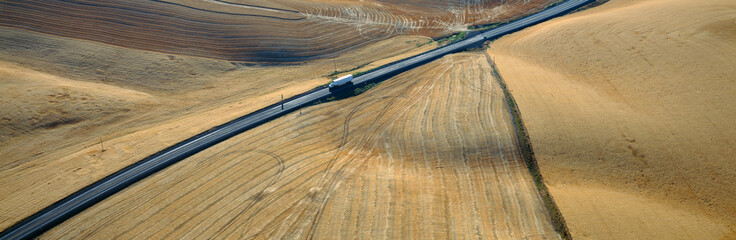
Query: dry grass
(276, 31)
(428, 154)
(630, 108)
(75, 111)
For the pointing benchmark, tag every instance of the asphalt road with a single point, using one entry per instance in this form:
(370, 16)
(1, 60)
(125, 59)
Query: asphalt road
(66, 208)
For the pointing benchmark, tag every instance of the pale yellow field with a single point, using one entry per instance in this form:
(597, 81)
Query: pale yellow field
(75, 111)
(429, 154)
(631, 108)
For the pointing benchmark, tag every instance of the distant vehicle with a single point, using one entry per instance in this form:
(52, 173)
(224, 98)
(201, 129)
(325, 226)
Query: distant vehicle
(341, 81)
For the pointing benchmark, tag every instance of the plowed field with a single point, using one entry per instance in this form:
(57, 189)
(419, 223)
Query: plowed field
(431, 153)
(631, 108)
(252, 30)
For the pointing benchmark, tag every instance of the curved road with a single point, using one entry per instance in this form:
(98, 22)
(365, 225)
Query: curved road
(88, 196)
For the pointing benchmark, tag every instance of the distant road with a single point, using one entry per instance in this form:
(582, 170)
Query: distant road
(66, 208)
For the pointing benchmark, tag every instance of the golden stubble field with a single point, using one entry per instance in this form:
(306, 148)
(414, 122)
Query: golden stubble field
(137, 76)
(631, 108)
(431, 153)
(76, 111)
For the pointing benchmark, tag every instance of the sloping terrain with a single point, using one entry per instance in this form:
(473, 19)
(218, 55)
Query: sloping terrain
(75, 111)
(631, 108)
(252, 31)
(431, 153)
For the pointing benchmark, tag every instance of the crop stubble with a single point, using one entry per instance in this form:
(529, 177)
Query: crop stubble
(59, 135)
(428, 154)
(252, 31)
(76, 111)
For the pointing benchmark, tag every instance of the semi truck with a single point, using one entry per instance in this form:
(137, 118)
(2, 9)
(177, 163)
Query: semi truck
(341, 81)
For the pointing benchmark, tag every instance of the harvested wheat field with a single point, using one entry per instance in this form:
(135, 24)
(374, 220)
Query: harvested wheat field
(256, 31)
(431, 153)
(631, 108)
(75, 111)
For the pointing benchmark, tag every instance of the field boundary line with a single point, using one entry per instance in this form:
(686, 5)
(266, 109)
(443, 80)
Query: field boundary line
(530, 160)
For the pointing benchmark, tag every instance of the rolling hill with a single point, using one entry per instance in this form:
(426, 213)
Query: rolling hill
(282, 31)
(630, 107)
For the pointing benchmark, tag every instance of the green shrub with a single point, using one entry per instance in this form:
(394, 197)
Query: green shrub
(364, 88)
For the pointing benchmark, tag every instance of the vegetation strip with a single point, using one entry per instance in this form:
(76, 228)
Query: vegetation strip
(527, 152)
(455, 37)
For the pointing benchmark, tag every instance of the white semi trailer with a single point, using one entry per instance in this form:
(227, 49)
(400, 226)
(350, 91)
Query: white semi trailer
(341, 81)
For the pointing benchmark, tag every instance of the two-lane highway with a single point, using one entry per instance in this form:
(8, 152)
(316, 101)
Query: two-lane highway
(88, 196)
